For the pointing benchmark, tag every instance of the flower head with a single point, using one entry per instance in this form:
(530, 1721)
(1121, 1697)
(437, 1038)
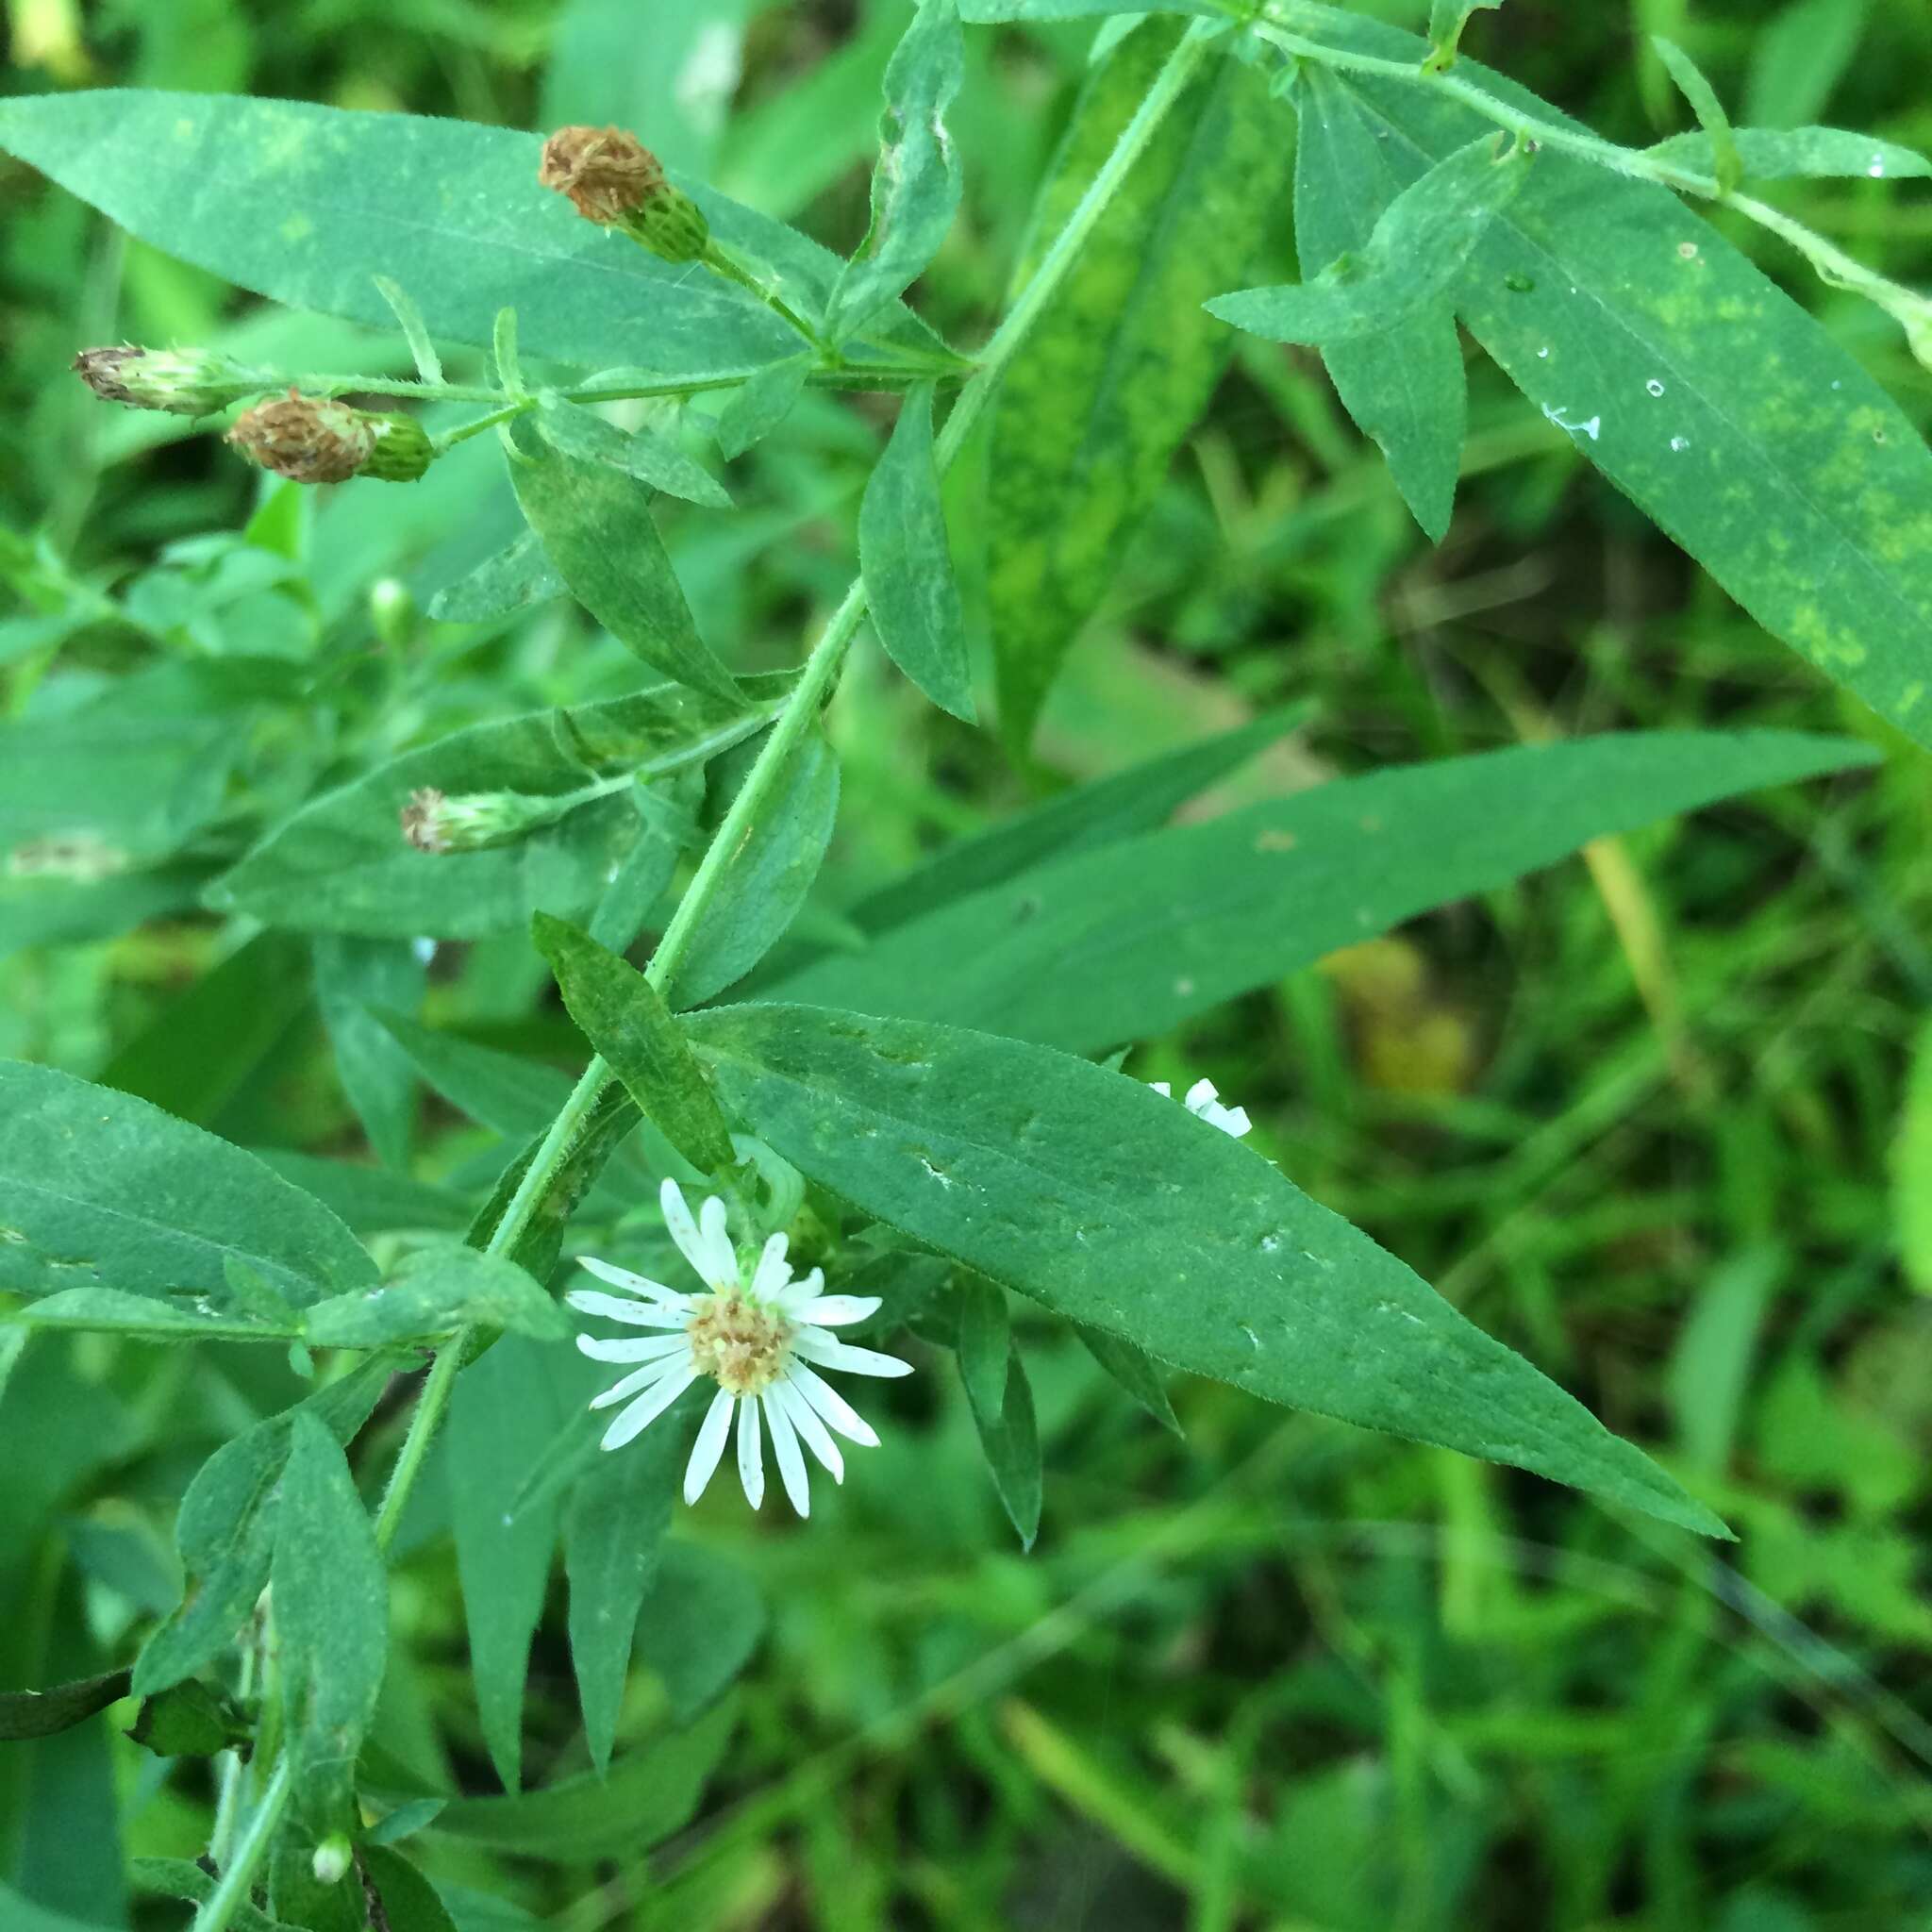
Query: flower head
(305, 440)
(611, 177)
(439, 822)
(187, 382)
(762, 1341)
(1204, 1103)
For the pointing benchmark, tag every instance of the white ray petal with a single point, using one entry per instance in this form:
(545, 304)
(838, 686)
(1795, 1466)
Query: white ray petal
(772, 1271)
(1161, 1088)
(751, 1461)
(721, 1269)
(648, 1408)
(635, 1284)
(785, 1447)
(805, 1418)
(1202, 1093)
(646, 1378)
(646, 1348)
(709, 1450)
(837, 1412)
(816, 1346)
(684, 1230)
(632, 1314)
(806, 1288)
(832, 1311)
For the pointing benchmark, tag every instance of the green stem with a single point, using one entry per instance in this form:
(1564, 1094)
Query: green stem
(238, 1875)
(1830, 261)
(721, 261)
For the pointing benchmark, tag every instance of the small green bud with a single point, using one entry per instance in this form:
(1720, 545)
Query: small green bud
(392, 611)
(333, 1857)
(403, 450)
(672, 227)
(186, 382)
(436, 822)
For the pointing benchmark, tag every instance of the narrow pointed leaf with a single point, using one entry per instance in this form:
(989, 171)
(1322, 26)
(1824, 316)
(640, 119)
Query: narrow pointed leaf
(507, 581)
(1115, 1207)
(906, 566)
(594, 523)
(332, 1599)
(649, 453)
(1009, 1436)
(623, 1017)
(1131, 939)
(433, 1292)
(1133, 1370)
(1727, 164)
(762, 893)
(1415, 251)
(985, 1336)
(758, 408)
(915, 187)
(1784, 153)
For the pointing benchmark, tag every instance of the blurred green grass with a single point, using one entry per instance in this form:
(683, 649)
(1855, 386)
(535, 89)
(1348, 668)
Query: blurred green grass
(1636, 1117)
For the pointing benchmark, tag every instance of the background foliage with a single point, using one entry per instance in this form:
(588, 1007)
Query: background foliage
(1646, 1117)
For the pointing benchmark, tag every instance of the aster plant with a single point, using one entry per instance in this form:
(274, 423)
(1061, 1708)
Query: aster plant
(894, 1131)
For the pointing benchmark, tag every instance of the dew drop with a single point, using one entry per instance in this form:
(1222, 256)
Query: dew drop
(1542, 355)
(1680, 444)
(1878, 167)
(1654, 387)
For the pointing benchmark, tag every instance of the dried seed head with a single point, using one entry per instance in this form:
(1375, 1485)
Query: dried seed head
(434, 821)
(607, 173)
(305, 439)
(186, 382)
(612, 178)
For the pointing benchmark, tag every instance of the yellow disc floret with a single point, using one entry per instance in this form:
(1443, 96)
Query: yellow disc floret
(740, 1343)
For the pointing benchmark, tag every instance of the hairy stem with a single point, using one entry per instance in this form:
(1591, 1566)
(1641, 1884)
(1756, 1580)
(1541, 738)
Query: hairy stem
(1831, 263)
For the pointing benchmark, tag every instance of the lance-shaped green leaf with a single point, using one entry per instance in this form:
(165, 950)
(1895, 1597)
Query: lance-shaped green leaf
(435, 1292)
(1134, 938)
(1135, 1370)
(647, 452)
(1418, 246)
(1722, 409)
(702, 1619)
(1727, 164)
(770, 873)
(502, 1414)
(110, 1311)
(1783, 154)
(342, 863)
(332, 1599)
(1113, 1207)
(758, 409)
(1009, 1436)
(226, 1529)
(514, 578)
(594, 523)
(1404, 387)
(625, 1019)
(915, 186)
(354, 979)
(98, 1190)
(907, 568)
(985, 1335)
(619, 1513)
(1084, 817)
(1116, 370)
(59, 1707)
(311, 203)
(643, 1798)
(409, 1901)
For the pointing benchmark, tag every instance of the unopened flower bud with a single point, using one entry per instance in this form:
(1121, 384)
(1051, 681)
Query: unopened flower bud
(306, 439)
(436, 822)
(612, 178)
(188, 382)
(392, 611)
(403, 450)
(332, 1859)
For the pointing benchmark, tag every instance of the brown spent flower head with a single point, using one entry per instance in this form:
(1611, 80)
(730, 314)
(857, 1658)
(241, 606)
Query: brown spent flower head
(421, 819)
(607, 173)
(185, 382)
(305, 439)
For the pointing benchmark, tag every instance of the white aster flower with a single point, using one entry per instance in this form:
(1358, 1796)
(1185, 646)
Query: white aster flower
(762, 1344)
(1204, 1103)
